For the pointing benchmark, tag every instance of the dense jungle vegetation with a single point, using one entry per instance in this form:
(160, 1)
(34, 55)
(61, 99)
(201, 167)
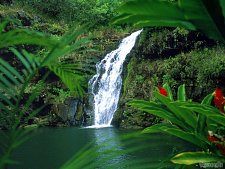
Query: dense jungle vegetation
(173, 80)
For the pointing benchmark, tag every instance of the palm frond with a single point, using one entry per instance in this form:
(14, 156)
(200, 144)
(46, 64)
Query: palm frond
(13, 82)
(71, 75)
(70, 42)
(30, 63)
(24, 36)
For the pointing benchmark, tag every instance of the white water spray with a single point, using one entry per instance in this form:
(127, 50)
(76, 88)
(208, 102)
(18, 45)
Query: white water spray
(106, 84)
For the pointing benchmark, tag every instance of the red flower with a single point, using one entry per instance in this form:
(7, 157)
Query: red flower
(163, 91)
(211, 137)
(219, 99)
(218, 141)
(221, 147)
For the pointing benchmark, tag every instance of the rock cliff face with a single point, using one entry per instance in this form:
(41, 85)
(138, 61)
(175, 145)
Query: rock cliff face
(171, 56)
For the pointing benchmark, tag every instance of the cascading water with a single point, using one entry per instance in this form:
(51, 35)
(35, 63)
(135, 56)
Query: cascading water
(106, 84)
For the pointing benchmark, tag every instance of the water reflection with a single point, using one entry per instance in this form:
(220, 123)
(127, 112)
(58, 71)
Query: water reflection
(110, 148)
(129, 149)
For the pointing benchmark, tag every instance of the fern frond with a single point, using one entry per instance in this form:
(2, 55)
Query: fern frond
(13, 82)
(73, 78)
(71, 41)
(29, 61)
(23, 36)
(12, 70)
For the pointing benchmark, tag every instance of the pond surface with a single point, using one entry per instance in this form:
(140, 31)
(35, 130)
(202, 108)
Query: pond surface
(50, 148)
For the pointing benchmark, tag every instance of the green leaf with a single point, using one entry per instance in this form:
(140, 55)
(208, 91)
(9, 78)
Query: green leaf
(169, 91)
(204, 15)
(222, 4)
(186, 117)
(34, 62)
(172, 130)
(201, 125)
(12, 70)
(155, 109)
(72, 78)
(6, 99)
(146, 13)
(181, 94)
(69, 42)
(7, 83)
(9, 75)
(210, 112)
(218, 119)
(201, 108)
(189, 158)
(208, 99)
(7, 92)
(24, 36)
(3, 107)
(3, 25)
(22, 59)
(202, 119)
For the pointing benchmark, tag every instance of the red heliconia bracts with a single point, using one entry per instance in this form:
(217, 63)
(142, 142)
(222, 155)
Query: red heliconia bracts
(218, 141)
(219, 100)
(163, 91)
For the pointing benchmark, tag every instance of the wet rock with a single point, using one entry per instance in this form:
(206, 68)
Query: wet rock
(70, 112)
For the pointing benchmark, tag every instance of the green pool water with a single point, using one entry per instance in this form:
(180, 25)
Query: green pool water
(50, 148)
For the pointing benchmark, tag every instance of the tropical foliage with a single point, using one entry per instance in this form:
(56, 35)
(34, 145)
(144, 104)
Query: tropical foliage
(197, 123)
(74, 11)
(200, 124)
(190, 14)
(14, 106)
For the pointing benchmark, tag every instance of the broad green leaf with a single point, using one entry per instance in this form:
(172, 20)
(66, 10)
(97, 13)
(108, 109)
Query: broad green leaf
(189, 158)
(169, 91)
(204, 15)
(172, 130)
(218, 119)
(146, 13)
(202, 119)
(222, 4)
(201, 108)
(181, 93)
(144, 21)
(2, 26)
(208, 99)
(210, 112)
(201, 124)
(182, 114)
(156, 110)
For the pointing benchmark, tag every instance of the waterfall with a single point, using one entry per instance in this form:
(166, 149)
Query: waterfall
(106, 84)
